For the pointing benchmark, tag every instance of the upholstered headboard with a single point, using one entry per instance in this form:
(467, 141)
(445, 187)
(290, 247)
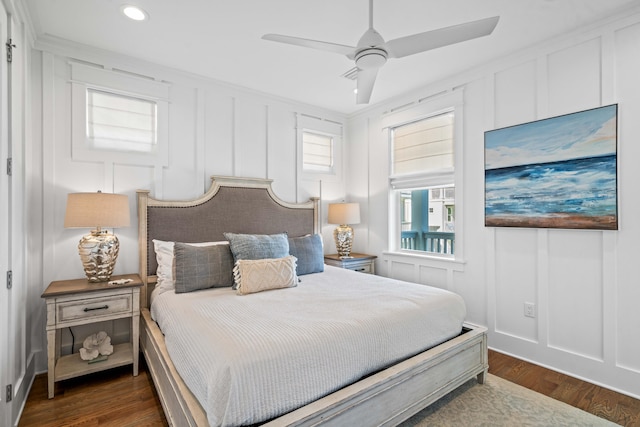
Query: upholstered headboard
(237, 205)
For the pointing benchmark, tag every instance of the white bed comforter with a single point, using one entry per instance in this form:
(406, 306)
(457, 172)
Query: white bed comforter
(251, 358)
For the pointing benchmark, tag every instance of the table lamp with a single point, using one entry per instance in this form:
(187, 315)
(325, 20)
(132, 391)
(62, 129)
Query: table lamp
(344, 214)
(98, 249)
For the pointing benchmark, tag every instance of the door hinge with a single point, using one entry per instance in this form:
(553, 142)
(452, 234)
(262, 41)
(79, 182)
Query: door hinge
(9, 166)
(10, 47)
(9, 392)
(9, 279)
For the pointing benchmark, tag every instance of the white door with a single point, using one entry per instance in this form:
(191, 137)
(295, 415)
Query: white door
(19, 340)
(5, 232)
(13, 306)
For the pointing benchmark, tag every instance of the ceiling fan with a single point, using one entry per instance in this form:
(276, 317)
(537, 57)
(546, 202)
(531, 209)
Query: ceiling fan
(372, 51)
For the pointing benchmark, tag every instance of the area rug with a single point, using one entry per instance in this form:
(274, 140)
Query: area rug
(501, 403)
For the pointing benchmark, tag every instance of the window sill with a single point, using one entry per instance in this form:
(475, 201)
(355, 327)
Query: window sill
(431, 260)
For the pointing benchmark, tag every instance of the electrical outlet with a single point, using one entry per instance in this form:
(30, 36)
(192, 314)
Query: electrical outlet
(529, 309)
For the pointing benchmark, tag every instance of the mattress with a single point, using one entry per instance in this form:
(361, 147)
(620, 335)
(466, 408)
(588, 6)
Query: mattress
(251, 358)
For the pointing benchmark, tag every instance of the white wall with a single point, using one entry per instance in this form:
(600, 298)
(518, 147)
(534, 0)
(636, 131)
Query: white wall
(214, 129)
(583, 282)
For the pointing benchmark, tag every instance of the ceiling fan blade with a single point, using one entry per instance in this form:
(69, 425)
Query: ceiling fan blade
(366, 79)
(314, 44)
(409, 45)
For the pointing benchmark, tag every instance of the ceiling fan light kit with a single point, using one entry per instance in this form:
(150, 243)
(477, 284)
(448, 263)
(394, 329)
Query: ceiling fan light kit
(372, 51)
(371, 58)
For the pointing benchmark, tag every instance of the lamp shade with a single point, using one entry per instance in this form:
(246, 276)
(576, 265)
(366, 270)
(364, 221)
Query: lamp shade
(344, 213)
(91, 210)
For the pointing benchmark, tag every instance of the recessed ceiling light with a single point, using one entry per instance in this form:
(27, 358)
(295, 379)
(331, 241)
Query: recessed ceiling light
(134, 12)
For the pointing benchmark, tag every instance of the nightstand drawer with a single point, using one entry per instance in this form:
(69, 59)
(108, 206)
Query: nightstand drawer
(362, 268)
(362, 263)
(92, 308)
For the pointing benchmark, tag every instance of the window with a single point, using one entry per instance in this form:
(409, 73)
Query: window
(424, 169)
(319, 148)
(450, 216)
(420, 149)
(118, 122)
(406, 214)
(317, 152)
(118, 117)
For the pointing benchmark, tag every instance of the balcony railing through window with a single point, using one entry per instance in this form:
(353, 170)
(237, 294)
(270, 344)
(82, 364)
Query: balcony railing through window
(430, 241)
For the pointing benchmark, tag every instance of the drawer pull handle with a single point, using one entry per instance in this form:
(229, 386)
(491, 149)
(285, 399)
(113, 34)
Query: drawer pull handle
(104, 307)
(360, 269)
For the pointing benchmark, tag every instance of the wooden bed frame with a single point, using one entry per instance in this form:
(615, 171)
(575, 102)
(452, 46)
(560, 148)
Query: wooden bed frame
(248, 205)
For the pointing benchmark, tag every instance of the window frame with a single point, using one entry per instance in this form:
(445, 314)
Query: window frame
(85, 77)
(450, 101)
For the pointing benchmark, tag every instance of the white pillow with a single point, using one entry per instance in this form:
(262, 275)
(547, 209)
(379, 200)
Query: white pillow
(166, 263)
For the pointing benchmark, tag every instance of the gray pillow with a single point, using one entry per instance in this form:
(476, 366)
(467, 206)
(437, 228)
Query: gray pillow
(202, 267)
(310, 254)
(258, 246)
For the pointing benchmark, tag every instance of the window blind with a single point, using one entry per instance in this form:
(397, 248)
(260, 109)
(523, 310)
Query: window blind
(120, 122)
(423, 146)
(317, 151)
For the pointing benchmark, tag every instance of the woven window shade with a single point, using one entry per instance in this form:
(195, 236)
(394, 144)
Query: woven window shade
(423, 146)
(121, 122)
(317, 151)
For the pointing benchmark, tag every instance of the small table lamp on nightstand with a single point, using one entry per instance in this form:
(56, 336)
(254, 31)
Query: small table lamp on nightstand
(344, 214)
(98, 249)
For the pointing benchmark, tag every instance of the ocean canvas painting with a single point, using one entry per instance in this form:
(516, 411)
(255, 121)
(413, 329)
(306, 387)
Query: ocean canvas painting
(559, 172)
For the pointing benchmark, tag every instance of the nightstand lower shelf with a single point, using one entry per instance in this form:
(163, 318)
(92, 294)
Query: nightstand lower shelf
(72, 365)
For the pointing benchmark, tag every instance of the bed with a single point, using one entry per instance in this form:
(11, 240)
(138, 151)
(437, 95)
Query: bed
(381, 392)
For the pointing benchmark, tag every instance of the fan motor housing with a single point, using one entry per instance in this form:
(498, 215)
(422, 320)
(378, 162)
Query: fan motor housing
(371, 58)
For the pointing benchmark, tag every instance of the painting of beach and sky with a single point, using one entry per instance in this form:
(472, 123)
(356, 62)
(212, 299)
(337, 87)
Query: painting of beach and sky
(555, 173)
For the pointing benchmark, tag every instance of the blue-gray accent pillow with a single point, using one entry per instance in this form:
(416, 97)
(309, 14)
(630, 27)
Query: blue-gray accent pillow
(202, 267)
(258, 246)
(310, 253)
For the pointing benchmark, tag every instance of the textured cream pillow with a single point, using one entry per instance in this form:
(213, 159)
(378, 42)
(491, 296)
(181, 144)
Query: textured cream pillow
(264, 274)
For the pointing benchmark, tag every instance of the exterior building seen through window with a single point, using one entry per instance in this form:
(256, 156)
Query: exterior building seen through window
(428, 219)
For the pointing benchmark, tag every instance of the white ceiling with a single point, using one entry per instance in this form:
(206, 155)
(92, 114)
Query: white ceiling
(221, 39)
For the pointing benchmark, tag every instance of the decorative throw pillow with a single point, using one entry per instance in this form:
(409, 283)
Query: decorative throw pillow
(202, 267)
(309, 252)
(258, 246)
(263, 274)
(166, 263)
(164, 256)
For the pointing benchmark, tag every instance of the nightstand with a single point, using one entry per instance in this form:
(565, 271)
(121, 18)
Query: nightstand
(358, 262)
(78, 302)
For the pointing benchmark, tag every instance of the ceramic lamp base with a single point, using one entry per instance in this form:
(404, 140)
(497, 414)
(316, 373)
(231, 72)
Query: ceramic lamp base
(98, 253)
(343, 235)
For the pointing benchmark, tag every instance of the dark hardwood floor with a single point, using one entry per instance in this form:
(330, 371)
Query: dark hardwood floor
(108, 398)
(115, 398)
(607, 404)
